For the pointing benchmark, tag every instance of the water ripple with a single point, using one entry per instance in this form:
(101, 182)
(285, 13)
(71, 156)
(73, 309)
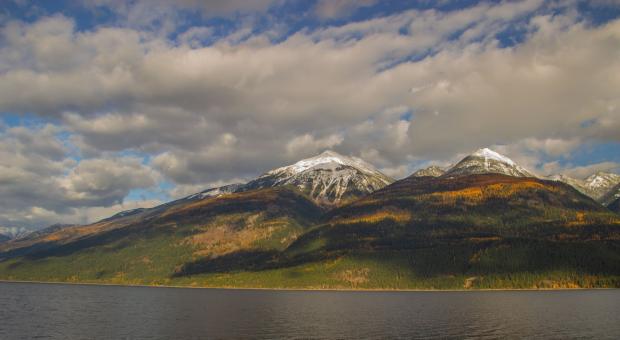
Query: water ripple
(48, 311)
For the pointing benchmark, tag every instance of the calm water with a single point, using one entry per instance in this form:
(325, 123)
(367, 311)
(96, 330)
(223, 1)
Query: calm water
(85, 312)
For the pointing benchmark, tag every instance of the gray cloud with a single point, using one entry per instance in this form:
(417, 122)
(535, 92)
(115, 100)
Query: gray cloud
(38, 178)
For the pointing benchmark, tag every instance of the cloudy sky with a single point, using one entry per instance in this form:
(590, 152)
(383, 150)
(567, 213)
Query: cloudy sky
(110, 105)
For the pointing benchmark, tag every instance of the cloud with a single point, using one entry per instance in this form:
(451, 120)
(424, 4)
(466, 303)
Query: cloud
(102, 182)
(37, 217)
(308, 144)
(39, 179)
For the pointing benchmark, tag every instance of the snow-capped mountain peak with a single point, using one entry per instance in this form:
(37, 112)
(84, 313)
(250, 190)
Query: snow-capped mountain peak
(484, 161)
(326, 160)
(329, 177)
(487, 153)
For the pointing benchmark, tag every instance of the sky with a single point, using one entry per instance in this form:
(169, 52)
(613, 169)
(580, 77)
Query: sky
(109, 105)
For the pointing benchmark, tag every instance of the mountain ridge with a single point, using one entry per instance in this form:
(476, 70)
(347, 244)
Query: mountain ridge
(599, 186)
(420, 232)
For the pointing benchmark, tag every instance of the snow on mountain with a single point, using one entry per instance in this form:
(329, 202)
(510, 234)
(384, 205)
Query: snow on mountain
(327, 160)
(487, 153)
(601, 183)
(574, 182)
(46, 231)
(126, 213)
(13, 232)
(431, 171)
(213, 192)
(599, 186)
(485, 161)
(603, 180)
(329, 178)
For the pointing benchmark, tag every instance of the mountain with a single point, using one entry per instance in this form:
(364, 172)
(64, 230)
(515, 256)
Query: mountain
(45, 231)
(431, 171)
(485, 161)
(489, 228)
(599, 186)
(486, 230)
(326, 178)
(155, 244)
(9, 233)
(4, 238)
(574, 182)
(215, 192)
(490, 204)
(329, 178)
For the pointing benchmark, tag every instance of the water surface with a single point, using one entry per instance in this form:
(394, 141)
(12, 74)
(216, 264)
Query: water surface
(56, 311)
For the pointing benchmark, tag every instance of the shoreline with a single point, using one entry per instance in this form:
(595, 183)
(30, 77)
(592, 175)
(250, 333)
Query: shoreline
(103, 284)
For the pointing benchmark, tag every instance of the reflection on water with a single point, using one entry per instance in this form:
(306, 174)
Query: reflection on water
(107, 312)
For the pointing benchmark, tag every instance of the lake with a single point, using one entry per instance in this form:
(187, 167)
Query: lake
(56, 311)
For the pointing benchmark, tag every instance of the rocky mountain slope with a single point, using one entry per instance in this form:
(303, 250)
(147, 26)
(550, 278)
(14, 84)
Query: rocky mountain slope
(601, 183)
(329, 178)
(601, 186)
(7, 233)
(431, 171)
